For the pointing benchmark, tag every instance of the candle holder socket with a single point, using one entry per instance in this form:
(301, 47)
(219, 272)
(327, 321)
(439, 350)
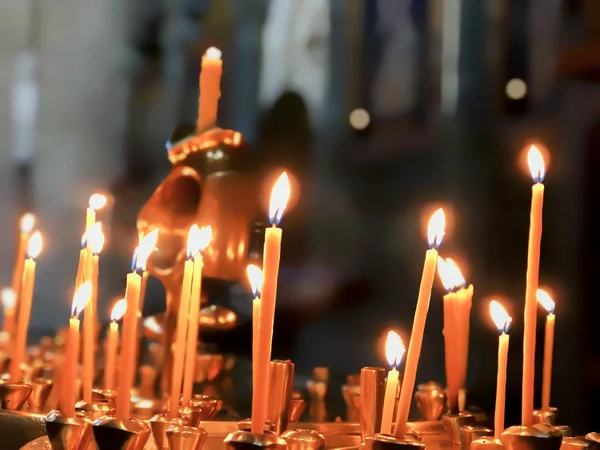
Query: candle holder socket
(111, 433)
(40, 391)
(469, 433)
(246, 425)
(372, 393)
(575, 443)
(453, 424)
(159, 424)
(68, 433)
(201, 407)
(245, 440)
(14, 395)
(565, 430)
(95, 409)
(536, 437)
(281, 387)
(208, 367)
(351, 395)
(547, 417)
(431, 400)
(181, 437)
(144, 408)
(297, 407)
(104, 394)
(594, 440)
(304, 440)
(317, 390)
(321, 374)
(388, 442)
(486, 443)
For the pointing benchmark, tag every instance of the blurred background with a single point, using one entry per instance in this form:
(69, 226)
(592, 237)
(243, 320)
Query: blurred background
(384, 109)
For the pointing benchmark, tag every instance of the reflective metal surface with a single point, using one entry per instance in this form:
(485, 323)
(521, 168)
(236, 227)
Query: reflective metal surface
(297, 407)
(536, 437)
(40, 391)
(201, 408)
(281, 385)
(96, 408)
(547, 417)
(159, 425)
(302, 439)
(181, 437)
(244, 440)
(470, 433)
(453, 424)
(68, 433)
(431, 400)
(14, 395)
(387, 442)
(486, 443)
(372, 391)
(111, 433)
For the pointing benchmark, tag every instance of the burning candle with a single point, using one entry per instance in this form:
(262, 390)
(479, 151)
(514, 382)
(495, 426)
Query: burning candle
(182, 323)
(256, 280)
(112, 343)
(26, 225)
(96, 202)
(153, 237)
(201, 239)
(69, 376)
(130, 326)
(394, 351)
(95, 242)
(34, 248)
(548, 304)
(210, 89)
(272, 252)
(502, 321)
(450, 332)
(538, 171)
(435, 234)
(9, 300)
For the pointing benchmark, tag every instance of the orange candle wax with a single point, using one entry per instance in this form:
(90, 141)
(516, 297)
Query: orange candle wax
(26, 224)
(394, 350)
(9, 301)
(210, 89)
(536, 166)
(435, 235)
(548, 304)
(502, 321)
(112, 344)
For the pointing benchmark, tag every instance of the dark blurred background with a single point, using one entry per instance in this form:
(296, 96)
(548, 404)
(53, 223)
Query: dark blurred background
(384, 108)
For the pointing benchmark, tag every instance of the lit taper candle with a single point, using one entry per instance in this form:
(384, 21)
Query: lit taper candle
(502, 321)
(394, 351)
(548, 304)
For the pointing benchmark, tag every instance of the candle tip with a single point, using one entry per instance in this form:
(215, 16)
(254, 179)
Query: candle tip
(97, 201)
(213, 53)
(198, 240)
(535, 160)
(34, 248)
(255, 276)
(27, 222)
(81, 298)
(545, 300)
(9, 299)
(500, 317)
(279, 198)
(144, 250)
(118, 310)
(394, 349)
(436, 229)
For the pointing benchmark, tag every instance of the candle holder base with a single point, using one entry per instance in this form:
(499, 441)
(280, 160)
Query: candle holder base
(159, 424)
(388, 442)
(181, 437)
(565, 430)
(14, 395)
(536, 437)
(111, 433)
(593, 439)
(68, 433)
(95, 409)
(470, 433)
(302, 439)
(431, 400)
(486, 443)
(244, 440)
(201, 407)
(453, 424)
(40, 391)
(547, 417)
(575, 443)
(297, 408)
(317, 389)
(246, 425)
(104, 394)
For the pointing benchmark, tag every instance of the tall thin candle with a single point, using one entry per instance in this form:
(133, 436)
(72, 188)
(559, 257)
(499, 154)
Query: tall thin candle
(538, 171)
(272, 253)
(9, 300)
(202, 239)
(548, 304)
(112, 343)
(210, 89)
(256, 280)
(68, 388)
(26, 224)
(502, 321)
(96, 202)
(394, 351)
(435, 235)
(33, 250)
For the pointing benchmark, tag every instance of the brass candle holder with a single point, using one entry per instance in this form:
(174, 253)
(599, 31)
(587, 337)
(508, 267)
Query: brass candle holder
(245, 440)
(301, 439)
(387, 442)
(68, 433)
(14, 395)
(111, 433)
(181, 437)
(159, 425)
(453, 424)
(431, 400)
(536, 437)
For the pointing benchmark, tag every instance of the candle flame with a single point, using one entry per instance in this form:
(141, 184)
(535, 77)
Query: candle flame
(118, 310)
(198, 240)
(9, 298)
(145, 249)
(500, 317)
(95, 238)
(394, 349)
(213, 53)
(97, 201)
(27, 223)
(445, 272)
(81, 298)
(545, 300)
(279, 198)
(152, 325)
(34, 248)
(436, 229)
(255, 276)
(459, 280)
(535, 160)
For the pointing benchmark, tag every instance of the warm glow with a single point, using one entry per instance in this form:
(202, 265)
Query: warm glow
(81, 298)
(359, 119)
(500, 317)
(152, 325)
(9, 299)
(97, 201)
(118, 310)
(279, 198)
(34, 248)
(535, 160)
(213, 53)
(256, 279)
(457, 276)
(27, 223)
(436, 228)
(545, 300)
(95, 238)
(145, 249)
(445, 273)
(394, 349)
(198, 240)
